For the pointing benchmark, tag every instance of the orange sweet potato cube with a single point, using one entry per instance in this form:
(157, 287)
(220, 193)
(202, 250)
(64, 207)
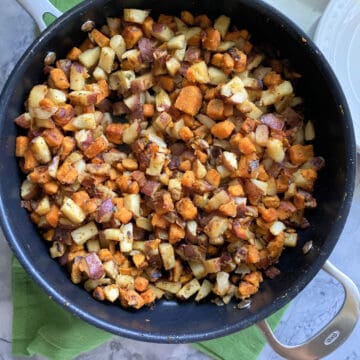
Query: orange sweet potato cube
(189, 100)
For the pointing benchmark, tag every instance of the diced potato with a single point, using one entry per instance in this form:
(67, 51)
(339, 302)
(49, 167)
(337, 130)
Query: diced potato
(181, 26)
(251, 83)
(132, 203)
(134, 101)
(162, 101)
(157, 162)
(220, 198)
(230, 160)
(277, 227)
(112, 234)
(175, 188)
(53, 166)
(222, 283)
(107, 57)
(223, 171)
(199, 169)
(167, 255)
(126, 241)
(57, 96)
(90, 57)
(180, 54)
(158, 292)
(177, 42)
(222, 24)
(216, 227)
(275, 150)
(57, 249)
(74, 157)
(132, 54)
(136, 15)
(84, 233)
(225, 45)
(162, 32)
(262, 135)
(28, 190)
(190, 32)
(93, 245)
(40, 150)
(85, 121)
(111, 269)
(204, 291)
(78, 75)
(139, 245)
(174, 131)
(309, 131)
(234, 90)
(41, 116)
(199, 71)
(250, 109)
(171, 287)
(198, 269)
(99, 74)
(91, 284)
(273, 95)
(43, 206)
(191, 228)
(144, 223)
(117, 43)
(131, 133)
(37, 93)
(80, 166)
(188, 289)
(255, 62)
(290, 239)
(143, 82)
(262, 185)
(213, 265)
(304, 182)
(217, 76)
(173, 66)
(74, 213)
(111, 292)
(83, 97)
(125, 282)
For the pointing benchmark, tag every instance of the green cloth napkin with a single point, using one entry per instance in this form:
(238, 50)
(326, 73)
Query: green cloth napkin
(40, 326)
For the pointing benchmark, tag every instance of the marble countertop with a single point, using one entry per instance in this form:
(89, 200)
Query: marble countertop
(308, 312)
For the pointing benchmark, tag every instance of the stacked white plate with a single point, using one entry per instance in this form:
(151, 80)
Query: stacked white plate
(338, 37)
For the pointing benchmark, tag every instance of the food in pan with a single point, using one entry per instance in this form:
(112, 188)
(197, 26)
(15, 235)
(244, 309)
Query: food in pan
(167, 157)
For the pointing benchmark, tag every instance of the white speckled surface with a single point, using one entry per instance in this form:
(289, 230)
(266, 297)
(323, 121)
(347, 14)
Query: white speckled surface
(307, 313)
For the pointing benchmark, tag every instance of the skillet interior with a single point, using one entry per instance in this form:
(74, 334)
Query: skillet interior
(187, 322)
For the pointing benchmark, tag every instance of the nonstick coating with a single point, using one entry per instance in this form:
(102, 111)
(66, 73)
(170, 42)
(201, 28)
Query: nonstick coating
(170, 321)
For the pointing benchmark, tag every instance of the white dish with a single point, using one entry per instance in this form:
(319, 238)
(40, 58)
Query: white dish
(338, 37)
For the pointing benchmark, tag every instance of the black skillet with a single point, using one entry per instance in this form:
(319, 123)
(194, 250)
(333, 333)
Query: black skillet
(170, 321)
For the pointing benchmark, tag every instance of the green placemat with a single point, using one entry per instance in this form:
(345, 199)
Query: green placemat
(40, 326)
